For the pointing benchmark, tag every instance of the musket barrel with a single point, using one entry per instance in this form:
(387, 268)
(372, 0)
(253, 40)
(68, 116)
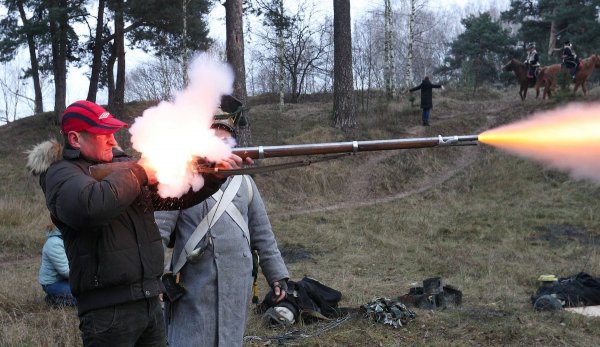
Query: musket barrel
(261, 152)
(99, 171)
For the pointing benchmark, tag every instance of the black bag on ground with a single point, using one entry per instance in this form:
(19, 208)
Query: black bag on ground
(577, 290)
(307, 298)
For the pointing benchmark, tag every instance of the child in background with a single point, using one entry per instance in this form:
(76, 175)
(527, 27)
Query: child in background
(54, 270)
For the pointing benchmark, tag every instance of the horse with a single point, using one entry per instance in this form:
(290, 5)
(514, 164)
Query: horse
(586, 67)
(547, 76)
(525, 82)
(547, 79)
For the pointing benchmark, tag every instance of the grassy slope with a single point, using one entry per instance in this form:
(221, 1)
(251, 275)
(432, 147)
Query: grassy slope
(487, 222)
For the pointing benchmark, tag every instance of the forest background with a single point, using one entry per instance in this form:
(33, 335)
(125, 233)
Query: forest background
(289, 48)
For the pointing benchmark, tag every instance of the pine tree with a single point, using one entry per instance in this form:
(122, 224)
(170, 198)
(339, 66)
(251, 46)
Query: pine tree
(344, 108)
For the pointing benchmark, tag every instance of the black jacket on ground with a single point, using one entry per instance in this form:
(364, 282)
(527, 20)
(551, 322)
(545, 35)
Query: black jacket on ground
(112, 242)
(426, 93)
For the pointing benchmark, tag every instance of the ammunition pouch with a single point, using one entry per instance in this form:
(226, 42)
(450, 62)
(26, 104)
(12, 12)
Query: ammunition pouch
(173, 290)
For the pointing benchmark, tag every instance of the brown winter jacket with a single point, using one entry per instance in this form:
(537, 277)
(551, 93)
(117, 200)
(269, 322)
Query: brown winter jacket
(112, 242)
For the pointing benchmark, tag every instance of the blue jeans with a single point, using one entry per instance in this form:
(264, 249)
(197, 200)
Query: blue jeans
(135, 323)
(59, 294)
(426, 112)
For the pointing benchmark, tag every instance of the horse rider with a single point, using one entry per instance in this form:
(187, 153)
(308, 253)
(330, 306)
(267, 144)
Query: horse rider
(532, 61)
(569, 59)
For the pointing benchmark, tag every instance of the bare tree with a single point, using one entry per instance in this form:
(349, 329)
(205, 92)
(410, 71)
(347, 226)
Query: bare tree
(11, 94)
(552, 40)
(58, 28)
(118, 102)
(410, 39)
(265, 72)
(235, 56)
(389, 51)
(157, 79)
(280, 53)
(35, 67)
(364, 58)
(344, 109)
(305, 50)
(97, 53)
(273, 12)
(184, 48)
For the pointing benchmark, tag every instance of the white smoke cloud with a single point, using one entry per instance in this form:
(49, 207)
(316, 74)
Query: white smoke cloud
(170, 135)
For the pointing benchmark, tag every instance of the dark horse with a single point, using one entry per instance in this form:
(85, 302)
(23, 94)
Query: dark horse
(525, 82)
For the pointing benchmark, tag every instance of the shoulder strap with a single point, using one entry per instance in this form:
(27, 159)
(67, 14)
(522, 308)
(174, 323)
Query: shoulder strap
(249, 187)
(224, 200)
(235, 214)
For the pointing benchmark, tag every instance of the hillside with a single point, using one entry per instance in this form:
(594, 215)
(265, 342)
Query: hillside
(371, 224)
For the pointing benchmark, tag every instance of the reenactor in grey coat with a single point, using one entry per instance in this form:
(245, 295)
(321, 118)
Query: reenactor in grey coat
(216, 270)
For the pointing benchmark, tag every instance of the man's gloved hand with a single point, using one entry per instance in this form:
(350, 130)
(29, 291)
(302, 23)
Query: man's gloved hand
(279, 290)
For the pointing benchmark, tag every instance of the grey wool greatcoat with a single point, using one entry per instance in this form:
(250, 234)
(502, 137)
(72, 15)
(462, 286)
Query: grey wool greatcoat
(218, 285)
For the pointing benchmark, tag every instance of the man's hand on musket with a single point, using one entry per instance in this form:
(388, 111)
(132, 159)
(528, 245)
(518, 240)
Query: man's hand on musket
(233, 162)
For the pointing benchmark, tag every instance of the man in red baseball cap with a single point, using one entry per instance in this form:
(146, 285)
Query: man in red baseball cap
(90, 128)
(87, 116)
(110, 235)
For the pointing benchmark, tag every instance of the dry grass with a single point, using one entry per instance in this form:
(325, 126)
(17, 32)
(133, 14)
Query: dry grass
(486, 222)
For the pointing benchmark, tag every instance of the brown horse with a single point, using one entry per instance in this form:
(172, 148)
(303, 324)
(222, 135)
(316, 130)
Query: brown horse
(547, 76)
(547, 79)
(525, 82)
(586, 67)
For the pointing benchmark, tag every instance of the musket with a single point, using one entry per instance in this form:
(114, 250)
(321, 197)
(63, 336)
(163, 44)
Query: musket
(338, 149)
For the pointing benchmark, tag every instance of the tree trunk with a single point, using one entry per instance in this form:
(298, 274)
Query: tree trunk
(184, 58)
(119, 97)
(110, 77)
(234, 27)
(389, 52)
(97, 60)
(35, 67)
(343, 89)
(552, 40)
(409, 77)
(280, 53)
(295, 89)
(58, 31)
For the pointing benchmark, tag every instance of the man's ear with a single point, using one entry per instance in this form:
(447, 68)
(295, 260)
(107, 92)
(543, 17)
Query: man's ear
(74, 139)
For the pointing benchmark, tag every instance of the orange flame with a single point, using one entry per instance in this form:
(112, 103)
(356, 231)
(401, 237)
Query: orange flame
(567, 138)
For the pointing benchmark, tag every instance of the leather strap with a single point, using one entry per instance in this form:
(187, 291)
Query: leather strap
(224, 200)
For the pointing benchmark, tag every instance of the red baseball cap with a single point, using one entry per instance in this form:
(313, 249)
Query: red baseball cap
(87, 116)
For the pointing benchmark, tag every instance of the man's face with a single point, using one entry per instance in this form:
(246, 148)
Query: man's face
(94, 147)
(224, 135)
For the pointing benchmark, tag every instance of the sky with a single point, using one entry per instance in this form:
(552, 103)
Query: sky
(217, 15)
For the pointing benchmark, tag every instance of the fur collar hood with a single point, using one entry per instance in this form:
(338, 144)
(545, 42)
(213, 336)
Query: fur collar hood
(42, 155)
